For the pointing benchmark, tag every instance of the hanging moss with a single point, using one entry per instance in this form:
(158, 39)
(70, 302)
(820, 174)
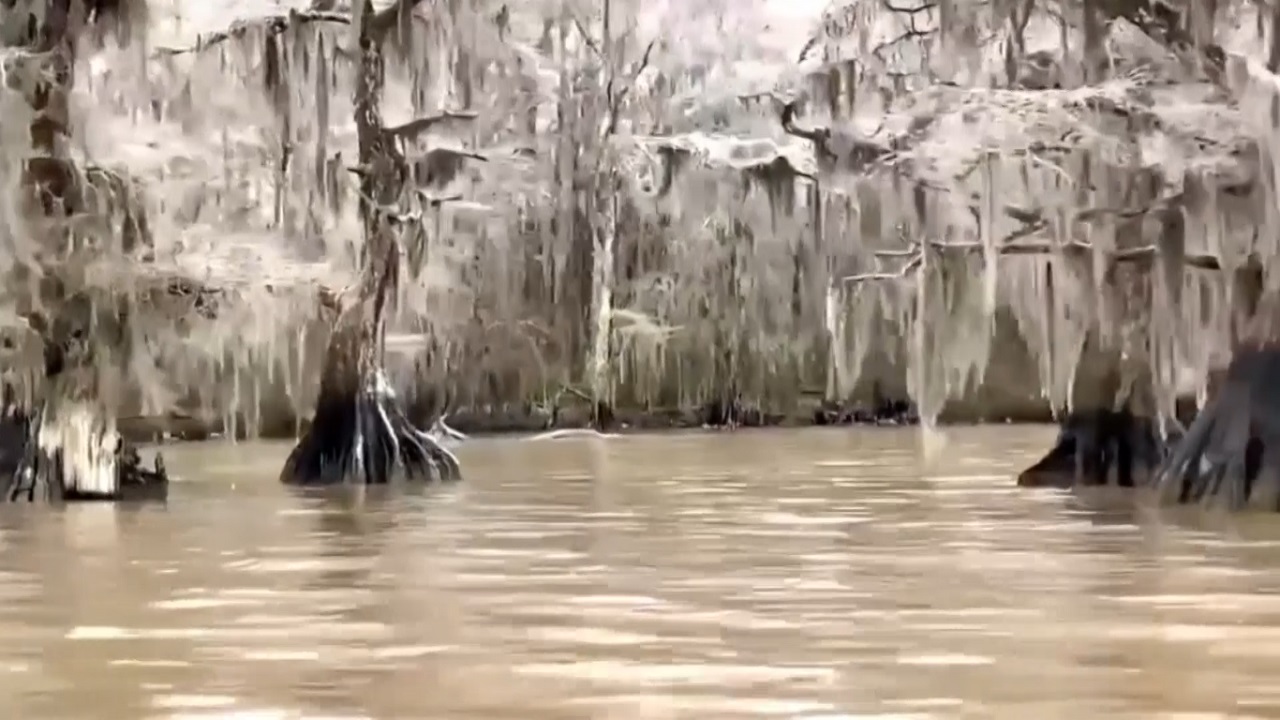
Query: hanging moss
(674, 160)
(777, 177)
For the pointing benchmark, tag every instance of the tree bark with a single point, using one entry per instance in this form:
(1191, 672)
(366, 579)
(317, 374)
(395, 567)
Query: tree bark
(360, 433)
(1229, 455)
(70, 447)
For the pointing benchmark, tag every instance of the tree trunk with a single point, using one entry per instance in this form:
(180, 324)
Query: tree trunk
(1101, 447)
(360, 433)
(1231, 454)
(70, 447)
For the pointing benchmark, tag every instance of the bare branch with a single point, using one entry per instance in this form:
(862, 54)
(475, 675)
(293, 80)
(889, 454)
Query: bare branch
(817, 135)
(1149, 253)
(274, 25)
(436, 201)
(586, 38)
(911, 33)
(1140, 255)
(809, 45)
(382, 24)
(644, 60)
(615, 99)
(906, 10)
(911, 266)
(414, 128)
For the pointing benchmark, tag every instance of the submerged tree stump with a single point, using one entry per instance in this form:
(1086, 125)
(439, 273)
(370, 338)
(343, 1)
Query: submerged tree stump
(69, 454)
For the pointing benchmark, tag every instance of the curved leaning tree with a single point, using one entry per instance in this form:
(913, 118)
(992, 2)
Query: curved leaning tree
(1104, 173)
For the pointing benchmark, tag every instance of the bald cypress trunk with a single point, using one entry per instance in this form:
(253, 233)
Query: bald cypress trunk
(360, 433)
(70, 447)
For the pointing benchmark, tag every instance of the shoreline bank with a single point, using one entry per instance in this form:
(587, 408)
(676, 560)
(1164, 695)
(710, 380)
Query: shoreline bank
(506, 421)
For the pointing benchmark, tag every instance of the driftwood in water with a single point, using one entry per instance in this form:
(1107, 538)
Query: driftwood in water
(1231, 453)
(1101, 447)
(360, 433)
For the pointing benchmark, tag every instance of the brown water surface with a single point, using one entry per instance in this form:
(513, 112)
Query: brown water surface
(815, 574)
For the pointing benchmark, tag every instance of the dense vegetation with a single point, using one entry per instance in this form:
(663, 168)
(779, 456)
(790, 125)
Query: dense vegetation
(649, 210)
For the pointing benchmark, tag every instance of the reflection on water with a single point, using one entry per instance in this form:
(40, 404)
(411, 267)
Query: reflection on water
(815, 574)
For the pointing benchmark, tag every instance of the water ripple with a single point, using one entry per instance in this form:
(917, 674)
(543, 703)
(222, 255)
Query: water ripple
(800, 575)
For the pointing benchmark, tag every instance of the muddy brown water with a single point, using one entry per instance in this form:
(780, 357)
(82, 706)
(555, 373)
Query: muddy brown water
(772, 574)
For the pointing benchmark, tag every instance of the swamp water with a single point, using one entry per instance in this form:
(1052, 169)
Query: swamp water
(806, 574)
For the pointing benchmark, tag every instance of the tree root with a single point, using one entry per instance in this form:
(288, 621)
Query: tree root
(1101, 447)
(359, 433)
(1229, 456)
(366, 439)
(1226, 458)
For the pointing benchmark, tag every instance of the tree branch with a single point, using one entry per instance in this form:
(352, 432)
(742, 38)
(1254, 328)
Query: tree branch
(586, 37)
(386, 20)
(436, 201)
(274, 25)
(414, 128)
(381, 25)
(616, 98)
(1143, 255)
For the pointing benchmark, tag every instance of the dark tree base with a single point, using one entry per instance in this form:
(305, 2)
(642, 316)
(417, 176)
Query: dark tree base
(368, 440)
(884, 412)
(1231, 453)
(730, 413)
(29, 472)
(1101, 447)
